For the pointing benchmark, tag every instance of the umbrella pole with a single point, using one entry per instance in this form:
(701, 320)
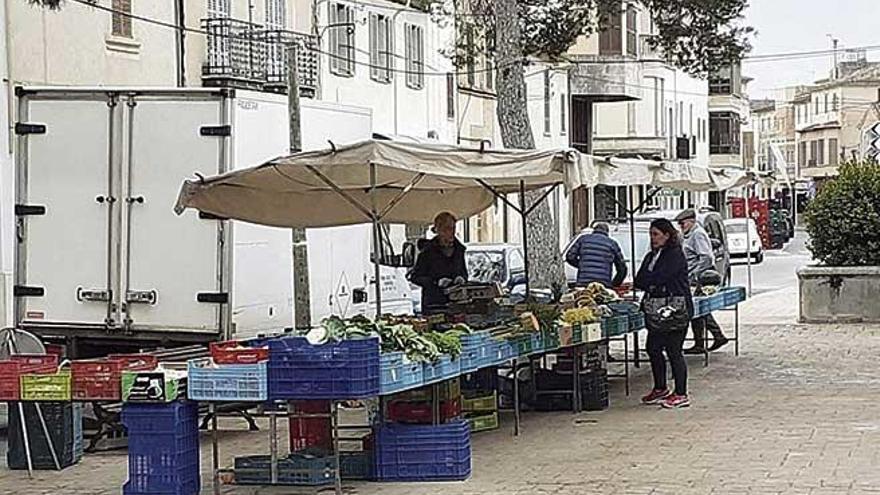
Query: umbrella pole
(525, 237)
(377, 242)
(749, 239)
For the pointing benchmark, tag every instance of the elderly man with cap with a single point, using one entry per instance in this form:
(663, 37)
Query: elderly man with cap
(594, 255)
(700, 258)
(440, 265)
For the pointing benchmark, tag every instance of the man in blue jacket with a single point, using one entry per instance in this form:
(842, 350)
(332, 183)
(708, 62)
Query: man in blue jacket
(594, 255)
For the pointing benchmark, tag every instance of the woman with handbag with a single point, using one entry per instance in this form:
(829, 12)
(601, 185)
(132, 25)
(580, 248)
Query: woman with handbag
(668, 309)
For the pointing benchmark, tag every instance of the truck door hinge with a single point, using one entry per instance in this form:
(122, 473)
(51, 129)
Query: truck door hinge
(26, 210)
(215, 130)
(22, 128)
(28, 291)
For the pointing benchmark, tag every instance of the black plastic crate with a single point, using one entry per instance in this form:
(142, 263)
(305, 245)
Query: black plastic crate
(294, 470)
(594, 392)
(60, 418)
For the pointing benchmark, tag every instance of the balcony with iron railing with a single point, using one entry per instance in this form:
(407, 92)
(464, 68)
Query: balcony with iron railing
(245, 55)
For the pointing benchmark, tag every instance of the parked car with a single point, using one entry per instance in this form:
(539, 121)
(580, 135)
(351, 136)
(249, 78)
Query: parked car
(736, 239)
(620, 231)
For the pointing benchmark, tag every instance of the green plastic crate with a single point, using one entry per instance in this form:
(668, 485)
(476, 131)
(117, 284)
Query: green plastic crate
(484, 403)
(483, 422)
(550, 338)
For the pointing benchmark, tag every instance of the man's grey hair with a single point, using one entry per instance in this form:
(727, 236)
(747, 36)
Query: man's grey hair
(601, 227)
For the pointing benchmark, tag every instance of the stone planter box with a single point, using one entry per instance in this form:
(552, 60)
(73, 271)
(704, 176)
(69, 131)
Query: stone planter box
(838, 294)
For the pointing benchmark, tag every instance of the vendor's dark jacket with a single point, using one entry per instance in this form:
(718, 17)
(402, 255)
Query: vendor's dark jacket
(669, 276)
(431, 266)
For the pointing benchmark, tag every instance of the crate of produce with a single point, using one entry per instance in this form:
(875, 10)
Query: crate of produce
(12, 370)
(296, 469)
(398, 373)
(615, 326)
(46, 387)
(550, 338)
(506, 350)
(422, 412)
(63, 422)
(339, 370)
(235, 352)
(443, 369)
(476, 351)
(208, 381)
(483, 422)
(524, 345)
(449, 389)
(423, 452)
(357, 466)
(163, 448)
(157, 386)
(481, 402)
(310, 433)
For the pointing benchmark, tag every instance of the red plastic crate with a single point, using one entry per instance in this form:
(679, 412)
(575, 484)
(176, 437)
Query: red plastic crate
(136, 362)
(11, 371)
(310, 432)
(421, 411)
(97, 379)
(234, 352)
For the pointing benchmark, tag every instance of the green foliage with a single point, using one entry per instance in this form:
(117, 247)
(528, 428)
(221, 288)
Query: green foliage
(698, 36)
(844, 219)
(51, 4)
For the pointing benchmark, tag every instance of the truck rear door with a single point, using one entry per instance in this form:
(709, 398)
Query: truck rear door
(66, 207)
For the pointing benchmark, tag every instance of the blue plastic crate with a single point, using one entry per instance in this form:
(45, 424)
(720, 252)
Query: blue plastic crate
(475, 351)
(226, 382)
(506, 351)
(443, 369)
(399, 373)
(357, 466)
(537, 343)
(734, 295)
(423, 452)
(163, 449)
(636, 321)
(293, 470)
(340, 370)
(615, 326)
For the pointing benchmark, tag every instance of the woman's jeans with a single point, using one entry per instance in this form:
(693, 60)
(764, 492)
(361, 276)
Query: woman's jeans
(672, 342)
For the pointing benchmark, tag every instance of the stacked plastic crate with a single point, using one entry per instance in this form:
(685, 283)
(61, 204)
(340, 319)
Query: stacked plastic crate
(480, 408)
(63, 422)
(163, 448)
(233, 373)
(423, 452)
(416, 406)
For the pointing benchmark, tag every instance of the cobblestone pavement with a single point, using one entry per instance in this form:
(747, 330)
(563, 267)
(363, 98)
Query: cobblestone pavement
(795, 413)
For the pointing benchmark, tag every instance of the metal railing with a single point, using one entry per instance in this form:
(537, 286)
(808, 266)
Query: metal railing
(306, 59)
(244, 54)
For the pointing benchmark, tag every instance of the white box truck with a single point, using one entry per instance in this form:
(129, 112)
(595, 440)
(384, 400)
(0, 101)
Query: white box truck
(102, 262)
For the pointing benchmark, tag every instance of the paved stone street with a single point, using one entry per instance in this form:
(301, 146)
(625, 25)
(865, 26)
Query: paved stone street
(795, 413)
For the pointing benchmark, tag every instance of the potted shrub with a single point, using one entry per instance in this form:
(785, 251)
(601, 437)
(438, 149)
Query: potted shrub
(843, 222)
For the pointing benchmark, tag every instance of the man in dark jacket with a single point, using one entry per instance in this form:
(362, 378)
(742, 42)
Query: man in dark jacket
(594, 254)
(440, 265)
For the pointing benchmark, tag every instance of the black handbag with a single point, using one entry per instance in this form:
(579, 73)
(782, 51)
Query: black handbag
(663, 314)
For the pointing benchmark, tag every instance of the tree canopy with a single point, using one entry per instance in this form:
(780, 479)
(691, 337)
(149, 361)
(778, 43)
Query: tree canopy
(698, 36)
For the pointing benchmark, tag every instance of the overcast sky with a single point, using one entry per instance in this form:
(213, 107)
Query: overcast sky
(785, 26)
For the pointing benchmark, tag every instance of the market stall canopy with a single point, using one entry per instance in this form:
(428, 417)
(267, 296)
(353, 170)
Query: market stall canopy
(683, 176)
(414, 181)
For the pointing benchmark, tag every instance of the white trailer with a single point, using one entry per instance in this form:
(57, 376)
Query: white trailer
(102, 258)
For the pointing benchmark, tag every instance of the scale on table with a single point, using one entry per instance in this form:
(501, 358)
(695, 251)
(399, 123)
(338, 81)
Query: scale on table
(12, 342)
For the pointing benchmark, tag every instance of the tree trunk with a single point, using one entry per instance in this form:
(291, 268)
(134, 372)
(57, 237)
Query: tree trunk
(545, 263)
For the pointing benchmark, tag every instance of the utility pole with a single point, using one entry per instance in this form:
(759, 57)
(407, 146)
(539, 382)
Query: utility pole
(302, 300)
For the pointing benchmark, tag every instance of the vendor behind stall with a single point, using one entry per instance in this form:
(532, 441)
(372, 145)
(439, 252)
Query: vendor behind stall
(440, 264)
